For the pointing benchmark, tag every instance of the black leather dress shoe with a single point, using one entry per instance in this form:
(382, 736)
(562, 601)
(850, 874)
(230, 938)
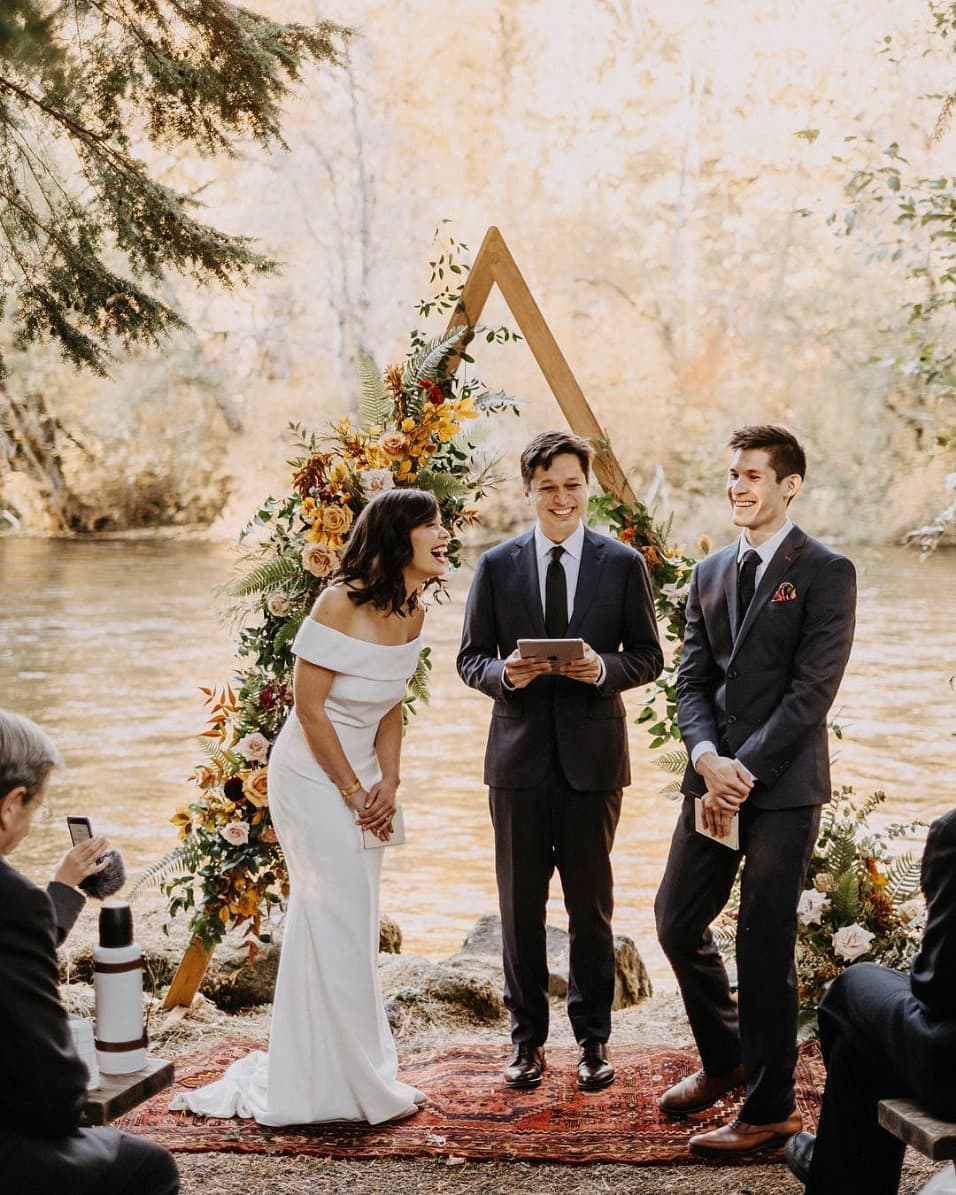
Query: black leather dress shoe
(526, 1067)
(594, 1070)
(798, 1154)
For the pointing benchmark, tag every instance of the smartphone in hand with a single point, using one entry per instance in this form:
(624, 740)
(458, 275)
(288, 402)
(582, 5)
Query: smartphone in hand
(80, 829)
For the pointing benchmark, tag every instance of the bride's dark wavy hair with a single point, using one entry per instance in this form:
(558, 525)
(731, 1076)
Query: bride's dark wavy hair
(380, 545)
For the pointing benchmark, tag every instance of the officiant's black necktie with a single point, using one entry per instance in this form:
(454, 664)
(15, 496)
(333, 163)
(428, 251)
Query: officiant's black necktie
(556, 596)
(747, 581)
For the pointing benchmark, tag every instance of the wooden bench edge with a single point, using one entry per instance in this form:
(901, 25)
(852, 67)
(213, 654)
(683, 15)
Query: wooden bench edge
(906, 1120)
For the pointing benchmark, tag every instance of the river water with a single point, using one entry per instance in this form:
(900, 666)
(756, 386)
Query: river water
(106, 643)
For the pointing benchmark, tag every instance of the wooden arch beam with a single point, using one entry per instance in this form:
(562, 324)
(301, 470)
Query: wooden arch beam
(494, 265)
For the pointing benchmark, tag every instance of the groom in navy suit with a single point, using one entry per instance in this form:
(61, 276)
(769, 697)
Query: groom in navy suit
(556, 760)
(769, 627)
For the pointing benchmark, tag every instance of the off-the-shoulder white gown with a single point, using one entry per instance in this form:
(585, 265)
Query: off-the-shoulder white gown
(331, 1053)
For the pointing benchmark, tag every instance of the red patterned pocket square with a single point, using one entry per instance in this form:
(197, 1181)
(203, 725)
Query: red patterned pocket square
(785, 593)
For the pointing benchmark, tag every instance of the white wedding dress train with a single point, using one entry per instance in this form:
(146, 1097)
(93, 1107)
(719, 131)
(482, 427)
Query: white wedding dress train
(331, 1052)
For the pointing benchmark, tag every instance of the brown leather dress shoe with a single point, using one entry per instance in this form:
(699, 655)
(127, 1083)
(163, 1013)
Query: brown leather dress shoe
(700, 1090)
(594, 1070)
(526, 1067)
(738, 1137)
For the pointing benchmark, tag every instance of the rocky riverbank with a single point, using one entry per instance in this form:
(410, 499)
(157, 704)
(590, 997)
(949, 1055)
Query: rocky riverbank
(431, 1005)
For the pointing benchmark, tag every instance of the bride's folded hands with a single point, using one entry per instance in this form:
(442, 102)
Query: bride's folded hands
(377, 808)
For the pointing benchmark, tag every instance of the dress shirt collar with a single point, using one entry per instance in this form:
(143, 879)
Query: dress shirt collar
(573, 545)
(767, 550)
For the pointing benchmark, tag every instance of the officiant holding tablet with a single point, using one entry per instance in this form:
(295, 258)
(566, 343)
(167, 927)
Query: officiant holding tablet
(556, 760)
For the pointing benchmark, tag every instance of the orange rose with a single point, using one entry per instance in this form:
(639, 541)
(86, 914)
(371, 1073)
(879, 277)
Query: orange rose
(255, 787)
(336, 519)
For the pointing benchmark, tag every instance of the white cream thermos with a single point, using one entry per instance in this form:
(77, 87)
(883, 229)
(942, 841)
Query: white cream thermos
(118, 988)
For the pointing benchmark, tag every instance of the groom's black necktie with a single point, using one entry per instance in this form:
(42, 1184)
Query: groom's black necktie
(556, 596)
(747, 581)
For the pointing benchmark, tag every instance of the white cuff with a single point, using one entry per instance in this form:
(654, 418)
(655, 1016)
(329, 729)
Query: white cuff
(701, 749)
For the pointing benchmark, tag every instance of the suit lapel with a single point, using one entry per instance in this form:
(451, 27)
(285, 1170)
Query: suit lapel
(526, 566)
(589, 581)
(783, 561)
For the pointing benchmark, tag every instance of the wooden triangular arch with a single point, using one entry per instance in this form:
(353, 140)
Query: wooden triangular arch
(494, 265)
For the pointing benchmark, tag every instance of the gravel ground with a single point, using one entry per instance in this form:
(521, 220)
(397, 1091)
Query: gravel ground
(658, 1019)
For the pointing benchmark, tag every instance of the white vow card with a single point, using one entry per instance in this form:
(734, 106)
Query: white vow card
(731, 839)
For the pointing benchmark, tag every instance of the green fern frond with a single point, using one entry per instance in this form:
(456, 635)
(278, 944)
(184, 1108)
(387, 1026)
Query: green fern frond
(184, 858)
(841, 850)
(672, 790)
(375, 407)
(903, 877)
(287, 632)
(845, 898)
(419, 684)
(429, 361)
(674, 762)
(270, 575)
(443, 485)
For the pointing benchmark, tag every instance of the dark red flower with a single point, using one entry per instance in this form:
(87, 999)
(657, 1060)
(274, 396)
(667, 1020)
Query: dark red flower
(232, 789)
(432, 392)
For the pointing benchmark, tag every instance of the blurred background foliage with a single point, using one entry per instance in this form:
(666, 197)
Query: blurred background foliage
(729, 210)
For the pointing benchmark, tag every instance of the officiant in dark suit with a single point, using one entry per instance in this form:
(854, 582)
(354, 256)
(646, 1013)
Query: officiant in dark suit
(886, 1035)
(43, 1082)
(770, 624)
(556, 760)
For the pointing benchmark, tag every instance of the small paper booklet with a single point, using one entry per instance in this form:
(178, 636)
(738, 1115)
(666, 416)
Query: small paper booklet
(731, 839)
(371, 842)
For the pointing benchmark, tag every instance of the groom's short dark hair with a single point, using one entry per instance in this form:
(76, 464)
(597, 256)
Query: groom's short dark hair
(544, 448)
(786, 455)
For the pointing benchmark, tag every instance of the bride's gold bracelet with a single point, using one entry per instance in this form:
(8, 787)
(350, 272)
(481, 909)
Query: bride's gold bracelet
(350, 789)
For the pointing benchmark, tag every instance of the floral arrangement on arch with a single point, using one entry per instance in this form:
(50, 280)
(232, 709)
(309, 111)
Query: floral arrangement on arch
(862, 899)
(228, 871)
(669, 569)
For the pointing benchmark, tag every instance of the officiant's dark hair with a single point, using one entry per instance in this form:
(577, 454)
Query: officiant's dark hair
(544, 448)
(380, 545)
(786, 455)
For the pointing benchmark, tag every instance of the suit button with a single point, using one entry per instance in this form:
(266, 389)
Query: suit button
(732, 674)
(731, 719)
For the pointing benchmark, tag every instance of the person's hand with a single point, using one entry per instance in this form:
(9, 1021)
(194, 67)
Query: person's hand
(725, 775)
(717, 812)
(85, 859)
(586, 668)
(522, 671)
(378, 809)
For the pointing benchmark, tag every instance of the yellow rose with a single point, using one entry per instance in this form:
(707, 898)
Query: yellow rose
(392, 444)
(336, 519)
(319, 560)
(255, 787)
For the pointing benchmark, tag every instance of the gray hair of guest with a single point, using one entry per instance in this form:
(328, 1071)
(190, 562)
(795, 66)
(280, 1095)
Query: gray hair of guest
(27, 755)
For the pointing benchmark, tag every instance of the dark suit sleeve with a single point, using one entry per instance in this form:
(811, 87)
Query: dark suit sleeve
(933, 974)
(42, 1080)
(479, 663)
(698, 677)
(816, 672)
(67, 905)
(640, 658)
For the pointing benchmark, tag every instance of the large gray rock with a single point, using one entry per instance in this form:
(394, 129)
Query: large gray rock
(470, 988)
(631, 981)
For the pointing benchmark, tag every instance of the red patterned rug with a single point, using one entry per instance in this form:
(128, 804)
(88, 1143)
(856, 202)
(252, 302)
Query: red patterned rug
(471, 1115)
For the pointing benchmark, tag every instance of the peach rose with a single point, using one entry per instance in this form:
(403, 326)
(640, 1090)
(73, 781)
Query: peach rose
(851, 941)
(278, 605)
(255, 787)
(392, 444)
(319, 560)
(377, 481)
(254, 747)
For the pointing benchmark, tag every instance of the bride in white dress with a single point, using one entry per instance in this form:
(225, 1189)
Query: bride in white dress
(334, 770)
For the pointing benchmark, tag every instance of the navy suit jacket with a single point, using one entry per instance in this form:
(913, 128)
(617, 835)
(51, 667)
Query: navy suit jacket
(761, 691)
(585, 724)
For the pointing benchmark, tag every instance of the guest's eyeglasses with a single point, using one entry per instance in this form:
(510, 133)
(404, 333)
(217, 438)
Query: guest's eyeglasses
(43, 810)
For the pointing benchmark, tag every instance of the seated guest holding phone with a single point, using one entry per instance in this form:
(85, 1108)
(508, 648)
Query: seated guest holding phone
(886, 1035)
(42, 1079)
(556, 761)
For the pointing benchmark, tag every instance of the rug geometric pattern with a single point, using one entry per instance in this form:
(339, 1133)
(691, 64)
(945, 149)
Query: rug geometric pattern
(471, 1115)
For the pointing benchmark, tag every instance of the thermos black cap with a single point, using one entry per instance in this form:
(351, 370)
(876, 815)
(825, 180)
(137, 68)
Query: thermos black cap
(116, 923)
